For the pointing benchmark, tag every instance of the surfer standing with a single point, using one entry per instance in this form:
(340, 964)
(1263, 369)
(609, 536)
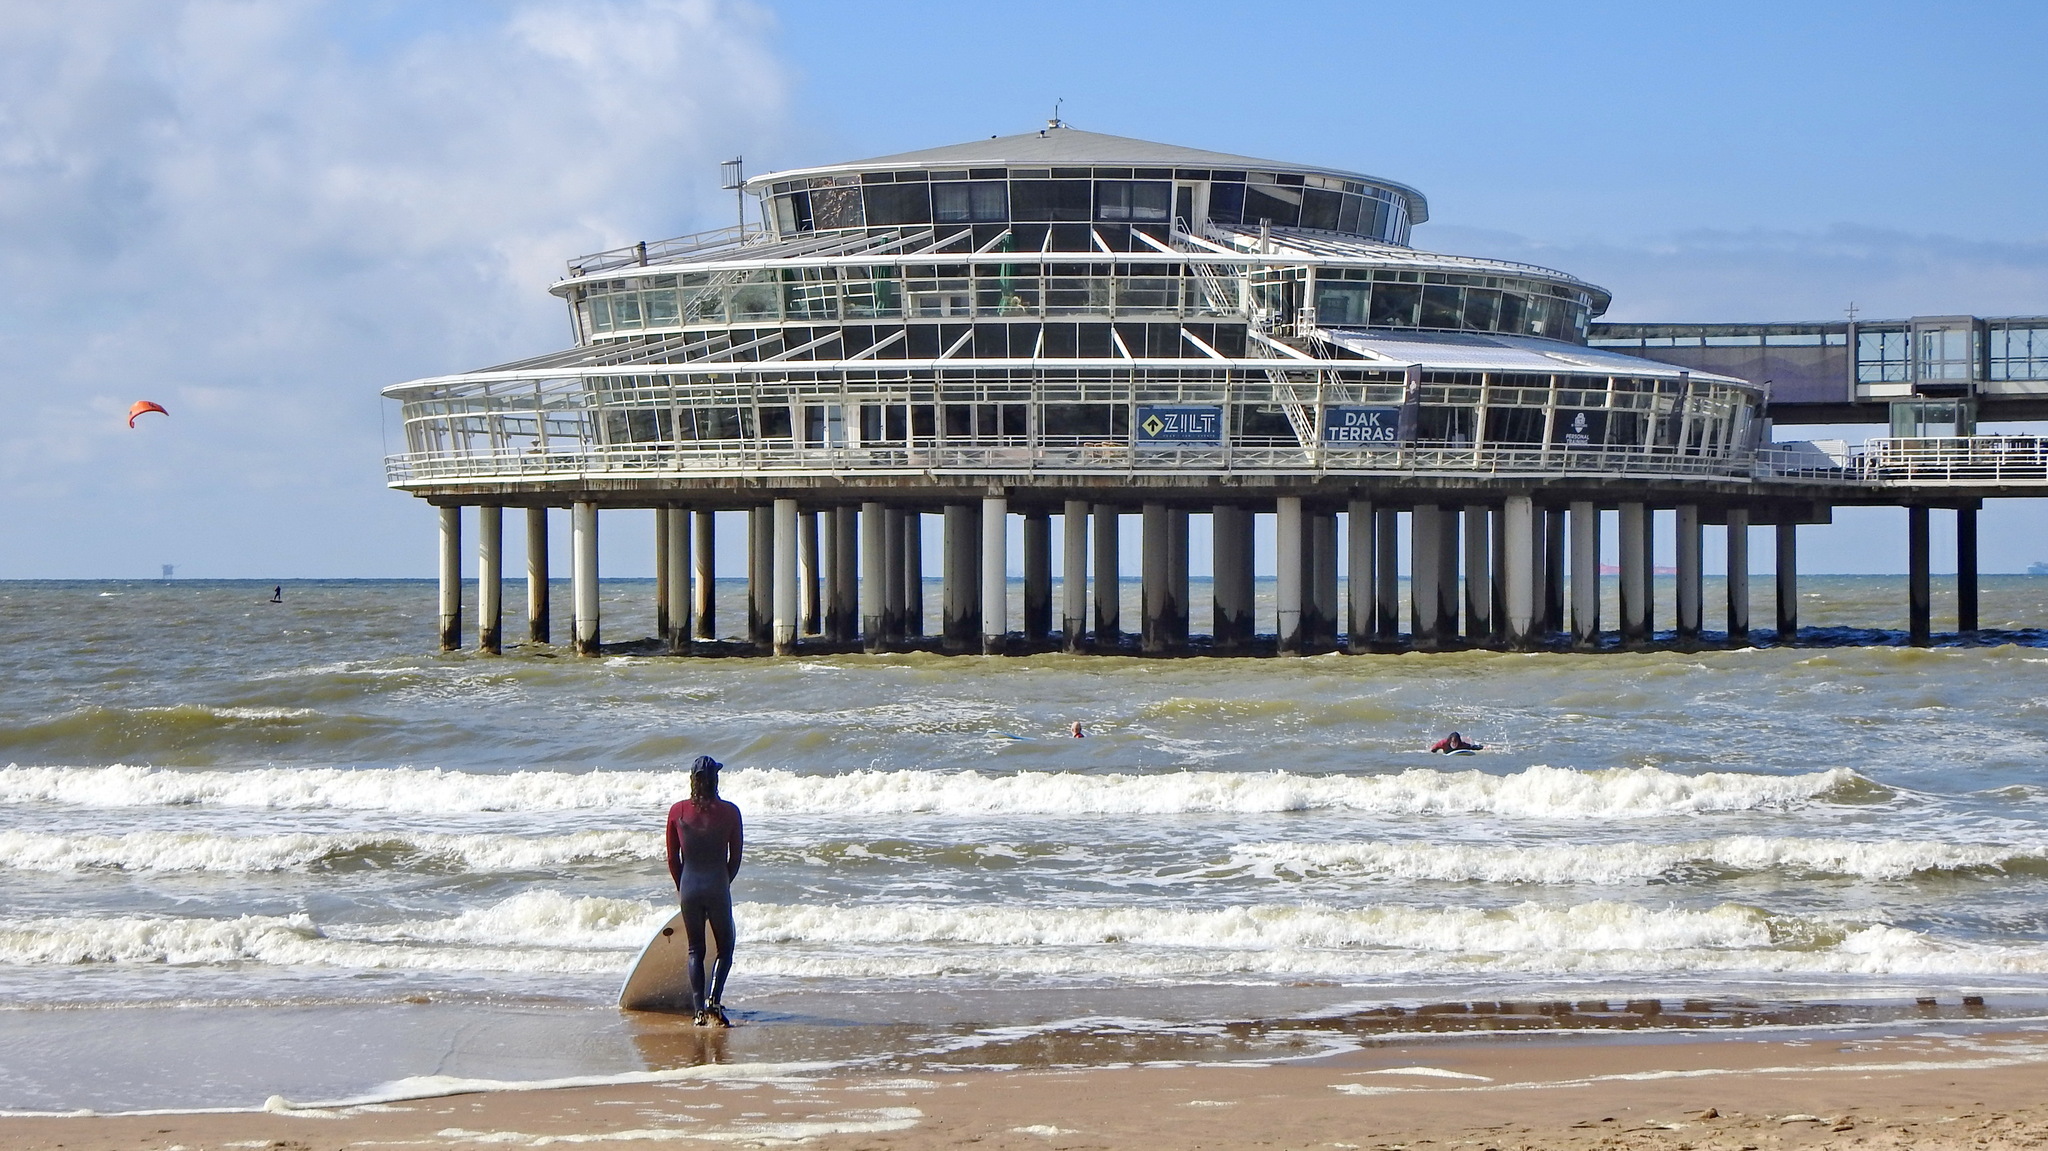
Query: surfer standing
(704, 845)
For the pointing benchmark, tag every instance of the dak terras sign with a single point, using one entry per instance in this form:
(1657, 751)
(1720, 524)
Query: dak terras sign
(1158, 424)
(1345, 426)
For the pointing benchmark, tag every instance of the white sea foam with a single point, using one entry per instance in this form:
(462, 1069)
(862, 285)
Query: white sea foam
(208, 851)
(1537, 792)
(541, 931)
(1627, 863)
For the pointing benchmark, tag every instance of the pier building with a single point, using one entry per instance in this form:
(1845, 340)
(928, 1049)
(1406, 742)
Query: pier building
(1075, 326)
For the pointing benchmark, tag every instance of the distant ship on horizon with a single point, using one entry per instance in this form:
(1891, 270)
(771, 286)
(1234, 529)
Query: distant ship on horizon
(2037, 569)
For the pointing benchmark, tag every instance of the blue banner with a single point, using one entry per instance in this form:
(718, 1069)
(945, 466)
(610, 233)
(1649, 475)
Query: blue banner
(1179, 425)
(1358, 426)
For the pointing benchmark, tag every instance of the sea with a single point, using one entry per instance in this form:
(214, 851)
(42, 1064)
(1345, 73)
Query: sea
(253, 849)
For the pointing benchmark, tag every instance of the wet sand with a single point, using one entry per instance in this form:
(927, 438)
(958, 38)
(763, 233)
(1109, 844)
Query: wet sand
(1940, 1088)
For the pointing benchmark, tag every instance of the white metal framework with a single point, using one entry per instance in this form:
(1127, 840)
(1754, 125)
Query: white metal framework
(1040, 306)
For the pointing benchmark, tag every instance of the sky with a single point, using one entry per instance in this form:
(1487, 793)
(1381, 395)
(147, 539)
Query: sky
(260, 214)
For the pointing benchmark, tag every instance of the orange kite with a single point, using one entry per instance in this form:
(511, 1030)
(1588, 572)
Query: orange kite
(142, 406)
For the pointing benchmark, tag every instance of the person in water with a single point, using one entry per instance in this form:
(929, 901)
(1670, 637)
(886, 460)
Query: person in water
(704, 845)
(1455, 742)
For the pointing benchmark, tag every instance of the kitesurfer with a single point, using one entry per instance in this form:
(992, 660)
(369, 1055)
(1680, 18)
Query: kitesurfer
(1455, 742)
(704, 846)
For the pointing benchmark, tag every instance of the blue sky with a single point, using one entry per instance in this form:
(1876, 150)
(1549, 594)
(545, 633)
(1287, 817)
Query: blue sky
(261, 213)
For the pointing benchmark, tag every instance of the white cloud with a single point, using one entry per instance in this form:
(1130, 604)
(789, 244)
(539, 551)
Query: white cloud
(1716, 276)
(261, 213)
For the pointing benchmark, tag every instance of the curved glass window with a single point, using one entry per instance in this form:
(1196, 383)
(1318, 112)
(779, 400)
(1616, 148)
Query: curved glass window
(1082, 195)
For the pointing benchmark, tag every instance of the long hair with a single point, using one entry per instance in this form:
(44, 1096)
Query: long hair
(703, 787)
(704, 780)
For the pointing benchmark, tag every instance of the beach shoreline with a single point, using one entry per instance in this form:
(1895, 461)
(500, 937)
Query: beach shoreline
(1945, 1086)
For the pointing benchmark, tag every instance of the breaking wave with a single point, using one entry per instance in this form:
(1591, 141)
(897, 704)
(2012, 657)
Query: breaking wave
(1633, 863)
(542, 931)
(1536, 793)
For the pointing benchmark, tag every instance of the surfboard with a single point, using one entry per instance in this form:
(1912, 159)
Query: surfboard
(660, 979)
(1465, 751)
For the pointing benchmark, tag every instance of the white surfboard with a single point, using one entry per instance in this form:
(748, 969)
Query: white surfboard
(660, 979)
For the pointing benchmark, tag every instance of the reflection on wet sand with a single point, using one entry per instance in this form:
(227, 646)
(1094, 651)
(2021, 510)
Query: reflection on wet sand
(668, 1042)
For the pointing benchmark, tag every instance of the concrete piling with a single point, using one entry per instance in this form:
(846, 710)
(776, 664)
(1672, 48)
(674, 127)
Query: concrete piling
(678, 596)
(874, 549)
(1074, 575)
(1919, 579)
(451, 578)
(1037, 576)
(583, 576)
(787, 605)
(1585, 575)
(1288, 546)
(537, 628)
(995, 574)
(1108, 589)
(704, 575)
(1788, 581)
(1361, 539)
(490, 579)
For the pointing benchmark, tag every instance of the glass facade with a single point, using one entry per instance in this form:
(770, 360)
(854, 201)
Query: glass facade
(1151, 197)
(1005, 287)
(2019, 350)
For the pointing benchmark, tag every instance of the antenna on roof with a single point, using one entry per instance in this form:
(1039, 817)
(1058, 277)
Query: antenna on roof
(1055, 121)
(732, 178)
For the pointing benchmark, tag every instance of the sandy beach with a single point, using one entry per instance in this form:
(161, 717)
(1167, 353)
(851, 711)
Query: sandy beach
(1940, 1088)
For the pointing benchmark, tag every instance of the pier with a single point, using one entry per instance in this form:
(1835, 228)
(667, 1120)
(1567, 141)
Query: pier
(1085, 327)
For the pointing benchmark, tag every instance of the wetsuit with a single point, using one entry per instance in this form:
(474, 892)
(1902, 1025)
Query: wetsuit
(1449, 744)
(703, 856)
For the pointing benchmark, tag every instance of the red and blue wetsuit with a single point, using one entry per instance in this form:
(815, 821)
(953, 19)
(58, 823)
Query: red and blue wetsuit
(704, 845)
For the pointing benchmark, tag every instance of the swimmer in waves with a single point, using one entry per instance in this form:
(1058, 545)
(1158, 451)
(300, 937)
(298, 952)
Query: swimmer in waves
(1454, 743)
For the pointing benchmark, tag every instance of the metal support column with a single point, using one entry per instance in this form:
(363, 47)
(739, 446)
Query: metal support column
(1630, 520)
(1230, 535)
(960, 629)
(1478, 574)
(451, 578)
(1788, 581)
(1919, 579)
(1074, 575)
(583, 576)
(1691, 573)
(788, 602)
(678, 578)
(490, 579)
(1497, 517)
(1108, 590)
(760, 575)
(1649, 571)
(661, 573)
(1519, 566)
(1447, 577)
(704, 575)
(809, 609)
(1177, 578)
(1738, 576)
(537, 628)
(831, 567)
(1155, 631)
(1288, 545)
(1556, 553)
(893, 555)
(1966, 570)
(911, 576)
(1362, 570)
(1037, 576)
(1585, 574)
(1425, 574)
(874, 575)
(1386, 592)
(1320, 582)
(995, 574)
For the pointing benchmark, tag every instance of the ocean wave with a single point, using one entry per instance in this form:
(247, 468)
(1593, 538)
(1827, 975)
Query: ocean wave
(1632, 863)
(542, 931)
(1536, 792)
(245, 854)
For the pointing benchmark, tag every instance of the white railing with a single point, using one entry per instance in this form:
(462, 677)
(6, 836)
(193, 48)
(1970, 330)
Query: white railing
(782, 457)
(645, 252)
(1955, 461)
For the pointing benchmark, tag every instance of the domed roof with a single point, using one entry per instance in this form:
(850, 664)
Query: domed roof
(1061, 145)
